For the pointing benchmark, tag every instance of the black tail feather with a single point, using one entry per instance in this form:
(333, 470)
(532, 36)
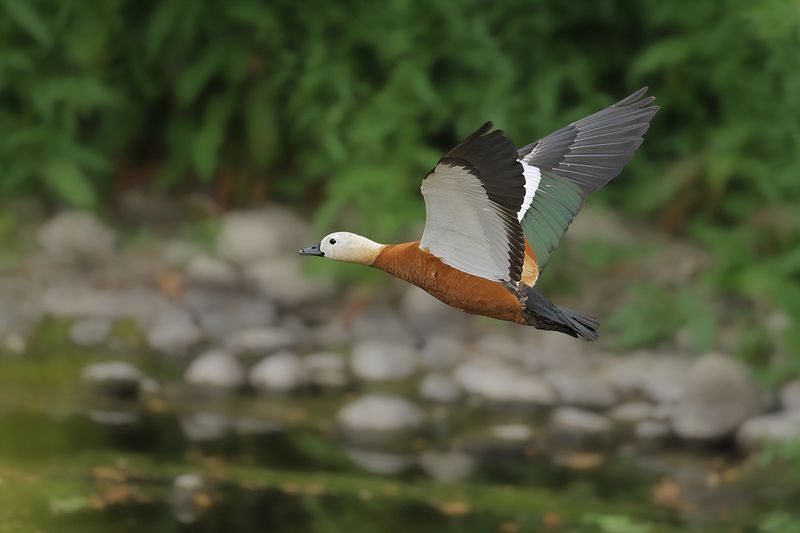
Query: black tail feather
(544, 314)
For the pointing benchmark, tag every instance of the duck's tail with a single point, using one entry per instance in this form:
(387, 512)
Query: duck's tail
(544, 314)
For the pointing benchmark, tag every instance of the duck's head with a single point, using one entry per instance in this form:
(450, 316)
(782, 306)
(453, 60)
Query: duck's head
(347, 247)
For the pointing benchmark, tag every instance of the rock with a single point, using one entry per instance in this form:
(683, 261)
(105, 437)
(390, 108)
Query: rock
(382, 361)
(441, 352)
(204, 269)
(790, 395)
(379, 323)
(580, 421)
(113, 379)
(661, 378)
(439, 388)
(173, 333)
(221, 311)
(499, 347)
(447, 467)
(77, 236)
(427, 315)
(327, 370)
(282, 372)
(720, 395)
(382, 463)
(204, 427)
(665, 379)
(379, 413)
(512, 432)
(261, 340)
(498, 382)
(542, 352)
(282, 279)
(581, 390)
(189, 498)
(773, 428)
(217, 369)
(90, 331)
(652, 430)
(14, 343)
(179, 253)
(114, 417)
(246, 237)
(631, 412)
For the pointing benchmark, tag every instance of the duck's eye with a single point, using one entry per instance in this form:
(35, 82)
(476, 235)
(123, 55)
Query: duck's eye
(332, 241)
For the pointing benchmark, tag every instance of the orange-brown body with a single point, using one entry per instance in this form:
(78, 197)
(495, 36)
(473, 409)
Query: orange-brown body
(458, 289)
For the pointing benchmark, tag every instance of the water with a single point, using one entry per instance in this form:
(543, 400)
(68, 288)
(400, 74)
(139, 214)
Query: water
(185, 460)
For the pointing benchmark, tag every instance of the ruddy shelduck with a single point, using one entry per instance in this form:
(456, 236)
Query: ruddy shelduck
(495, 214)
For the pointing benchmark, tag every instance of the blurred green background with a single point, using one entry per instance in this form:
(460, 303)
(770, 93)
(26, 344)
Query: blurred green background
(339, 109)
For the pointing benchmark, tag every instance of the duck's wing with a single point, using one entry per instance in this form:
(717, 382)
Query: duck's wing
(472, 199)
(562, 169)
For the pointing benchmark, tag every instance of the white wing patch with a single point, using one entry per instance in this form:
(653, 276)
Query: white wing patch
(464, 228)
(532, 178)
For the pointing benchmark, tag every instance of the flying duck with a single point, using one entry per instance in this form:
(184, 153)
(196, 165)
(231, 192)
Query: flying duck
(495, 214)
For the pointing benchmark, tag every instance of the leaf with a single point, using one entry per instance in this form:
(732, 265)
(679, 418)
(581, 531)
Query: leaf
(208, 140)
(69, 184)
(24, 15)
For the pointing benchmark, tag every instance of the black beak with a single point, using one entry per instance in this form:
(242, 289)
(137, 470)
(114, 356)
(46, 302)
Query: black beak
(312, 250)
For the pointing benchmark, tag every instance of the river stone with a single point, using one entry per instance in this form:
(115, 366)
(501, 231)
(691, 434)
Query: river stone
(222, 311)
(499, 346)
(187, 493)
(499, 382)
(425, 314)
(377, 462)
(264, 340)
(245, 237)
(283, 280)
(204, 427)
(282, 372)
(446, 467)
(441, 352)
(661, 378)
(77, 236)
(13, 343)
(379, 413)
(217, 369)
(382, 324)
(790, 395)
(652, 430)
(91, 331)
(375, 360)
(581, 390)
(631, 412)
(557, 353)
(580, 421)
(204, 269)
(179, 253)
(439, 388)
(720, 395)
(173, 333)
(773, 428)
(114, 379)
(512, 432)
(326, 370)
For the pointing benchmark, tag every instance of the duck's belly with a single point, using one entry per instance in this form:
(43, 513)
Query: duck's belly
(458, 289)
(473, 294)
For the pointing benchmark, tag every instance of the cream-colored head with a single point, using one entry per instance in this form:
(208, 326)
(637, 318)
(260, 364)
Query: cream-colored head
(347, 247)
